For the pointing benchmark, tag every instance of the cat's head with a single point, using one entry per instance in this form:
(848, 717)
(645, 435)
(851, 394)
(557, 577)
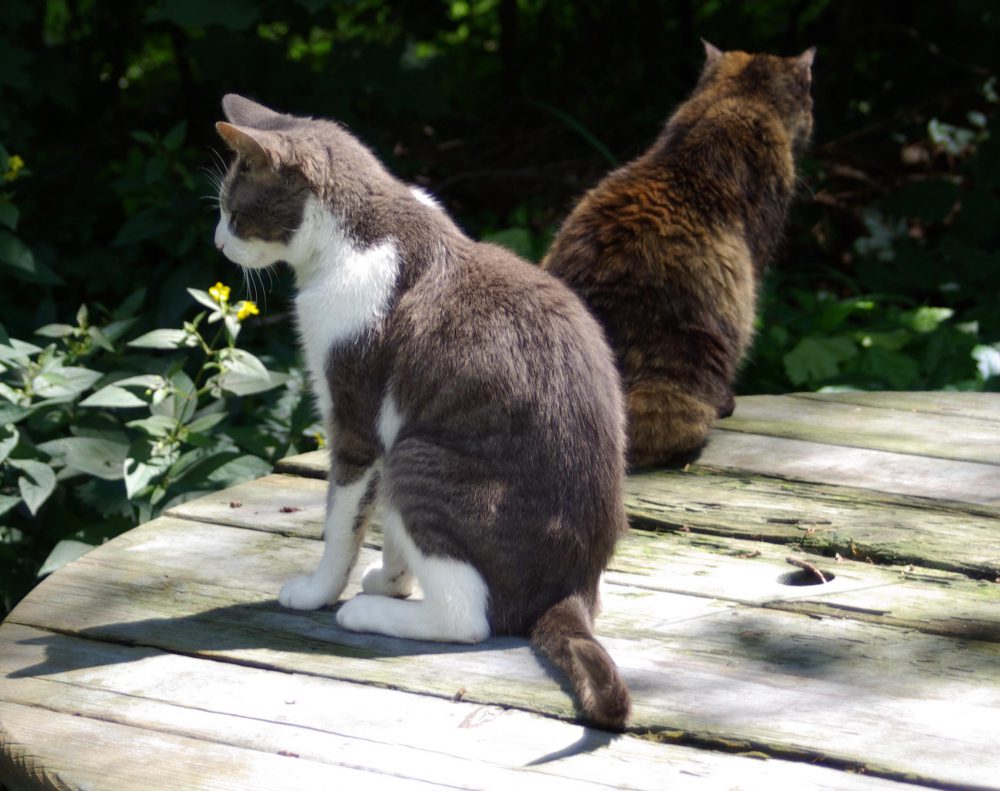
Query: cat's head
(784, 83)
(288, 174)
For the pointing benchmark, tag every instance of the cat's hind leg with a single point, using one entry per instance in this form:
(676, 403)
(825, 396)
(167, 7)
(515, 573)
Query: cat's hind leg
(347, 511)
(667, 425)
(454, 607)
(390, 576)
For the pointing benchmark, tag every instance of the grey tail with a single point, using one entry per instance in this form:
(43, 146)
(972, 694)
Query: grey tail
(564, 635)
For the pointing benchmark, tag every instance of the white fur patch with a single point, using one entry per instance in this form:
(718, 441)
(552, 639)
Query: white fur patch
(453, 608)
(425, 197)
(389, 423)
(325, 585)
(342, 288)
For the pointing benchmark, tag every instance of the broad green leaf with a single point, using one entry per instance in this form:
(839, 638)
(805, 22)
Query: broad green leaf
(114, 397)
(55, 330)
(95, 456)
(18, 351)
(927, 319)
(243, 362)
(205, 422)
(241, 384)
(8, 501)
(64, 552)
(142, 225)
(37, 483)
(243, 468)
(230, 14)
(16, 255)
(100, 339)
(9, 437)
(154, 425)
(159, 339)
(130, 305)
(148, 381)
(64, 382)
(182, 401)
(175, 137)
(9, 215)
(204, 298)
(814, 359)
(13, 413)
(116, 329)
(142, 468)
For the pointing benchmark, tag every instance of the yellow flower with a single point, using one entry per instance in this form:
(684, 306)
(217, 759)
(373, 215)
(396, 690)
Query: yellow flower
(14, 165)
(219, 293)
(247, 308)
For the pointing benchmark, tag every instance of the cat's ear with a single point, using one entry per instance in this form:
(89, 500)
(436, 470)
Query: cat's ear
(712, 53)
(805, 62)
(260, 147)
(244, 112)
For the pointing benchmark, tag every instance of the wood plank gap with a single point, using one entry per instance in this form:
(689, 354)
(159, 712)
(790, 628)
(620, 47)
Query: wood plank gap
(762, 750)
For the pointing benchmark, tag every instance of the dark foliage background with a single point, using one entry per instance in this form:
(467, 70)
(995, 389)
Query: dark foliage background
(506, 110)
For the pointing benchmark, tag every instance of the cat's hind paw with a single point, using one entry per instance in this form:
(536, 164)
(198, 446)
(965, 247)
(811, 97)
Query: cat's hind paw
(305, 593)
(380, 582)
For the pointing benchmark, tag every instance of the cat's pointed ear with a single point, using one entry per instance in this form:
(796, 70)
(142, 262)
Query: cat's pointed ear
(245, 112)
(262, 148)
(805, 61)
(712, 53)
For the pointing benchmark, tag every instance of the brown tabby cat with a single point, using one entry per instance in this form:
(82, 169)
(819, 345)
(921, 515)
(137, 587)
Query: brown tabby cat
(668, 250)
(469, 392)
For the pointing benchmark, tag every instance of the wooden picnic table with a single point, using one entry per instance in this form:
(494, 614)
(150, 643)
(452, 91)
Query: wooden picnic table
(162, 659)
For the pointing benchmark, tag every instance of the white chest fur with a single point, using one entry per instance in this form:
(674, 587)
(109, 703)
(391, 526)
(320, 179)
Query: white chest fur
(343, 289)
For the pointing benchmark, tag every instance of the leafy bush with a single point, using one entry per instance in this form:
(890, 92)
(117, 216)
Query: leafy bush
(100, 434)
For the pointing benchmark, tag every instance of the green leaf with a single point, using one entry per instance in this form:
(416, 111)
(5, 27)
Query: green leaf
(160, 339)
(7, 501)
(13, 413)
(55, 330)
(142, 468)
(130, 305)
(205, 422)
(64, 552)
(181, 403)
(814, 359)
(154, 425)
(37, 483)
(102, 458)
(241, 385)
(175, 137)
(143, 225)
(16, 254)
(9, 437)
(114, 397)
(116, 329)
(9, 215)
(926, 319)
(100, 339)
(204, 298)
(64, 382)
(239, 470)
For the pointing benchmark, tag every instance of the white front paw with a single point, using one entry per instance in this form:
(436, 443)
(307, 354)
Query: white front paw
(378, 582)
(305, 593)
(359, 614)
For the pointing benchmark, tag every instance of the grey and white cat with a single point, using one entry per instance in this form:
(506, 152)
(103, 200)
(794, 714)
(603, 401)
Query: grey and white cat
(466, 390)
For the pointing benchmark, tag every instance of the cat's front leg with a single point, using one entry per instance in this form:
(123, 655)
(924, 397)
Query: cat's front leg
(347, 511)
(390, 576)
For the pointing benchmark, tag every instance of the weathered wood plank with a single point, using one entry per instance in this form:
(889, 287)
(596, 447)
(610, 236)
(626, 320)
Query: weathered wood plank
(757, 573)
(825, 519)
(362, 727)
(56, 750)
(983, 406)
(835, 423)
(934, 700)
(879, 527)
(821, 519)
(896, 473)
